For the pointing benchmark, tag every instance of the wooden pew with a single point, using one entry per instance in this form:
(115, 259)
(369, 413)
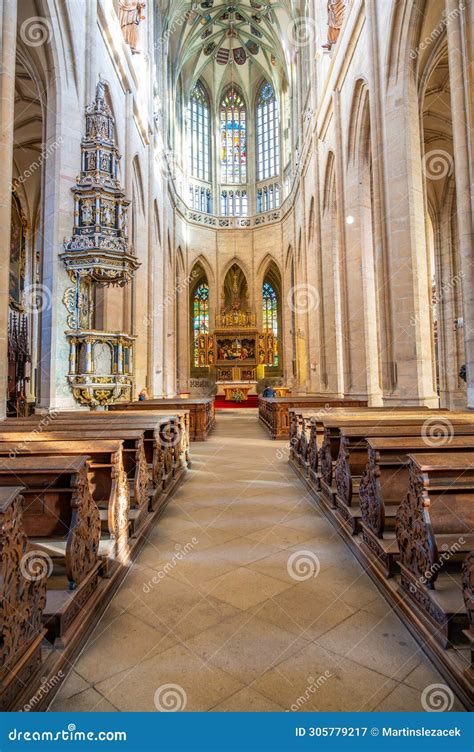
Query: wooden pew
(383, 487)
(133, 451)
(62, 522)
(353, 458)
(333, 425)
(305, 450)
(165, 437)
(434, 531)
(468, 593)
(201, 412)
(273, 411)
(107, 476)
(22, 600)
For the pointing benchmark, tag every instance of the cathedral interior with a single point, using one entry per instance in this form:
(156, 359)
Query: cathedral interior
(237, 355)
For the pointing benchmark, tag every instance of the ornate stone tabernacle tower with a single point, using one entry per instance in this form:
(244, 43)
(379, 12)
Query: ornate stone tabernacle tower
(98, 254)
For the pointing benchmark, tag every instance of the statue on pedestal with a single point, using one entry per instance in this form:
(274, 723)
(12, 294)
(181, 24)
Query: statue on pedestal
(336, 13)
(130, 15)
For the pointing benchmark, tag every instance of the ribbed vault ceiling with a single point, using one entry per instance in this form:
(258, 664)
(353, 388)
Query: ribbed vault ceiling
(218, 40)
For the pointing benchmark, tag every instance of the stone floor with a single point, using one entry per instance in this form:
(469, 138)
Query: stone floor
(245, 598)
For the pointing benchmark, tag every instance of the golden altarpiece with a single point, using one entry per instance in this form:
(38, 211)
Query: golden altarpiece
(236, 350)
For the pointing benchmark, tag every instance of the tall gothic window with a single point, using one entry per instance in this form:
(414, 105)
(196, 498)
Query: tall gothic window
(268, 134)
(270, 314)
(199, 134)
(233, 137)
(200, 316)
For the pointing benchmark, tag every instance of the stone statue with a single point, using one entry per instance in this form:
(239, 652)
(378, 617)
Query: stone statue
(336, 13)
(130, 15)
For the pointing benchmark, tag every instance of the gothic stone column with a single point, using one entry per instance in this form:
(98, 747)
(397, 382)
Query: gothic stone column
(8, 14)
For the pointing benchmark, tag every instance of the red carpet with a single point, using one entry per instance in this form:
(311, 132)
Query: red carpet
(252, 401)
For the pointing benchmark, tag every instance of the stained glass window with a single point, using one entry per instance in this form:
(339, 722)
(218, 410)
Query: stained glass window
(270, 314)
(199, 134)
(268, 134)
(233, 137)
(200, 316)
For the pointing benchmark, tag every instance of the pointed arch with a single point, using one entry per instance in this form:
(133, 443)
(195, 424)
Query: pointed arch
(265, 263)
(179, 260)
(271, 308)
(138, 180)
(201, 263)
(405, 25)
(329, 179)
(359, 119)
(237, 262)
(199, 310)
(235, 284)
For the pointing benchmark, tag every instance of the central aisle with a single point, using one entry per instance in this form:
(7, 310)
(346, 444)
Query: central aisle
(245, 598)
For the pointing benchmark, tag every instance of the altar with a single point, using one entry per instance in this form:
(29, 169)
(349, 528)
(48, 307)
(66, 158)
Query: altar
(237, 392)
(236, 349)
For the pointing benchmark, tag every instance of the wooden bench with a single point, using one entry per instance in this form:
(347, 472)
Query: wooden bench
(177, 433)
(383, 486)
(305, 445)
(62, 523)
(22, 600)
(434, 531)
(353, 457)
(333, 425)
(133, 457)
(273, 412)
(468, 593)
(123, 501)
(201, 412)
(165, 437)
